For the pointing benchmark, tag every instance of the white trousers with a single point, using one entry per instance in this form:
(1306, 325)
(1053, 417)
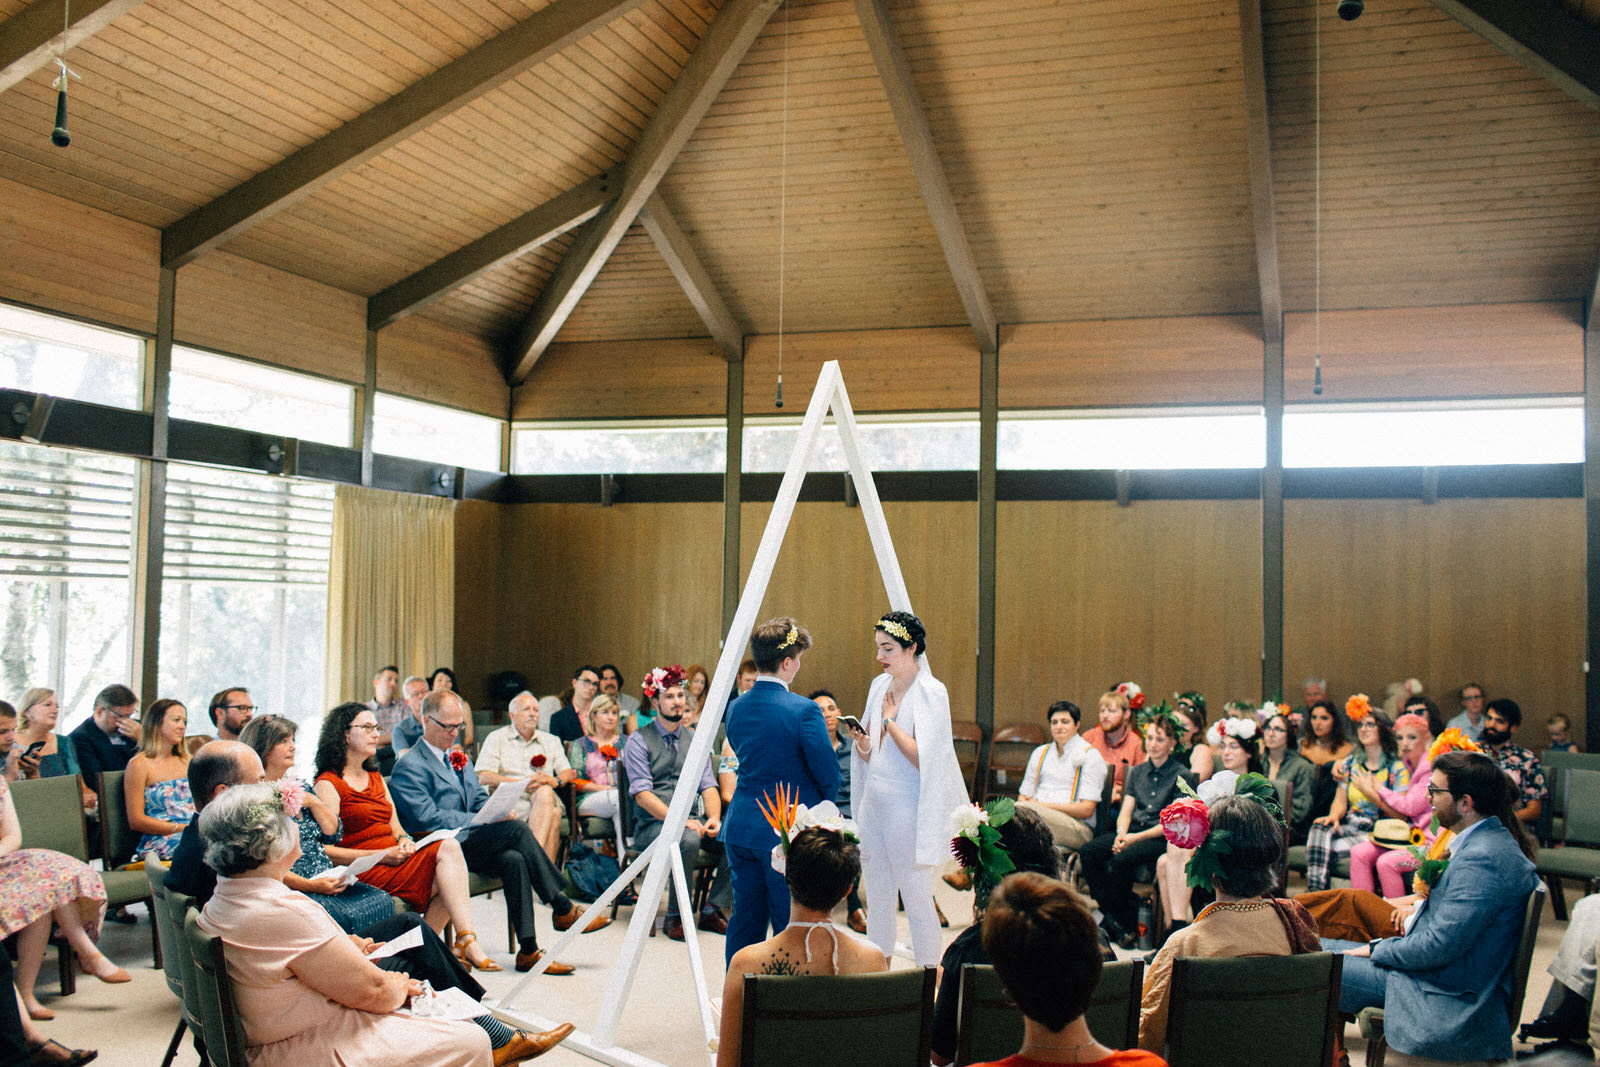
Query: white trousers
(888, 867)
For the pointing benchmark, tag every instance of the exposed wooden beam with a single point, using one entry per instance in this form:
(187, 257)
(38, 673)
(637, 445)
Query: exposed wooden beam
(895, 72)
(1546, 36)
(1258, 138)
(719, 53)
(31, 39)
(572, 208)
(1591, 309)
(453, 85)
(685, 265)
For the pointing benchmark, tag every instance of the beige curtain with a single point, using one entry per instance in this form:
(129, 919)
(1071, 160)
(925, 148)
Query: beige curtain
(391, 587)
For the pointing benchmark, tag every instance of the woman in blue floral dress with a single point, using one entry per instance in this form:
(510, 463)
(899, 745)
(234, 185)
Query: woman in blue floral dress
(156, 785)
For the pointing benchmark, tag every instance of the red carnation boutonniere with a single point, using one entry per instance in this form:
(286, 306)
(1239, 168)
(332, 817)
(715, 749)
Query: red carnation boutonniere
(537, 761)
(609, 751)
(458, 760)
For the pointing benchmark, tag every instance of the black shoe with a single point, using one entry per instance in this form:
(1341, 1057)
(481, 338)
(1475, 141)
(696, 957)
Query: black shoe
(1114, 930)
(1564, 1044)
(673, 927)
(1555, 1027)
(120, 914)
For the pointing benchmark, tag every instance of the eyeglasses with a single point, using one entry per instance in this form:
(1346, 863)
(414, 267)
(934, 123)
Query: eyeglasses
(1435, 790)
(251, 708)
(588, 681)
(447, 727)
(370, 727)
(1274, 730)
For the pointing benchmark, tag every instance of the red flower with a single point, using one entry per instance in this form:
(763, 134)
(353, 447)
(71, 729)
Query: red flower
(608, 751)
(537, 761)
(458, 760)
(965, 851)
(1136, 702)
(1186, 822)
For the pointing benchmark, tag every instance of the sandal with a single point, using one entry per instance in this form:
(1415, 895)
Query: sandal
(463, 940)
(70, 1056)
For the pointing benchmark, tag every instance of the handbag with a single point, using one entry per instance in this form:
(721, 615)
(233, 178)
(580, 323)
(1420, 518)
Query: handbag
(589, 871)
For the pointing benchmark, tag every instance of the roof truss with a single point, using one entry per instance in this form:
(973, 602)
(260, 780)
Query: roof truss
(1258, 135)
(1544, 35)
(30, 38)
(676, 249)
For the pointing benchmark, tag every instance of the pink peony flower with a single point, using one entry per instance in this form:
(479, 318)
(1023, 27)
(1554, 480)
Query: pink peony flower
(292, 792)
(1186, 822)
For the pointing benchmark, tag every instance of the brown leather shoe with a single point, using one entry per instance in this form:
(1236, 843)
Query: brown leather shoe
(526, 961)
(712, 922)
(564, 922)
(526, 1046)
(958, 880)
(673, 927)
(858, 921)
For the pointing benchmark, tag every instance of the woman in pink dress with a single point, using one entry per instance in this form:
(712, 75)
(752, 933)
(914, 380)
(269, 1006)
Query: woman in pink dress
(305, 994)
(38, 889)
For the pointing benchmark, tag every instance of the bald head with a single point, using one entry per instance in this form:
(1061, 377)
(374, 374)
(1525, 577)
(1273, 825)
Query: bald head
(220, 764)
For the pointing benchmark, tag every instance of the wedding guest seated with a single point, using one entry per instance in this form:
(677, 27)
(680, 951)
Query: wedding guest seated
(521, 752)
(595, 755)
(108, 738)
(1111, 860)
(408, 731)
(226, 764)
(1354, 810)
(156, 784)
(1193, 748)
(304, 991)
(443, 680)
(1244, 919)
(1281, 761)
(1046, 953)
(822, 862)
(1323, 742)
(353, 907)
(1064, 778)
(39, 889)
(40, 752)
(1388, 863)
(1570, 1002)
(435, 788)
(1560, 729)
(432, 879)
(1029, 843)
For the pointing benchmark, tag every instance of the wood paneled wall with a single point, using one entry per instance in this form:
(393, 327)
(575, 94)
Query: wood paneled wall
(1089, 594)
(1165, 593)
(422, 359)
(884, 370)
(1491, 591)
(624, 379)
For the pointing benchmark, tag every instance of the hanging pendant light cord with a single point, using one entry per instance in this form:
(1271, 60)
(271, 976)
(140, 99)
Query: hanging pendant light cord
(1316, 381)
(783, 195)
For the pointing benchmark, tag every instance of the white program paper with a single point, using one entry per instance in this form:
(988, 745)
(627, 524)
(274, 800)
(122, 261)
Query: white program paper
(445, 1004)
(412, 938)
(437, 835)
(500, 803)
(357, 867)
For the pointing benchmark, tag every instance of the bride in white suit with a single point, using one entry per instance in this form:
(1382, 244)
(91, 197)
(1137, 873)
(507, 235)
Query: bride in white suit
(904, 783)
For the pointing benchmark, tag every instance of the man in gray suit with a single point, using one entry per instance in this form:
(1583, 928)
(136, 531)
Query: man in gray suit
(1445, 984)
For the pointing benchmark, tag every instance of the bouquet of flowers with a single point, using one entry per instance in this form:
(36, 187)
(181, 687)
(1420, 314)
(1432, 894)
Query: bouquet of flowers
(787, 818)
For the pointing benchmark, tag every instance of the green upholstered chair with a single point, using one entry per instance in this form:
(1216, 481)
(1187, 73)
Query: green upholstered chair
(171, 953)
(213, 995)
(989, 1026)
(852, 1020)
(50, 812)
(1282, 1010)
(1578, 854)
(118, 838)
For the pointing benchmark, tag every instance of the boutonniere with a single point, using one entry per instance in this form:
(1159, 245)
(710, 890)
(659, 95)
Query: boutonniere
(537, 761)
(458, 760)
(608, 752)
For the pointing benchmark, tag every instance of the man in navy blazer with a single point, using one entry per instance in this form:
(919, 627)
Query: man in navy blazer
(779, 738)
(1445, 984)
(430, 794)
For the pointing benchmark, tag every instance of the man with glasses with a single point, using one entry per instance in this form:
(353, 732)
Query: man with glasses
(230, 710)
(434, 787)
(1470, 721)
(572, 721)
(105, 742)
(409, 730)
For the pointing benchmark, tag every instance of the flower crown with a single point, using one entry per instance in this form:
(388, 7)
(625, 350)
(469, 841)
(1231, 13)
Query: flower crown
(662, 678)
(288, 792)
(1187, 822)
(790, 638)
(891, 627)
(787, 818)
(1194, 699)
(1162, 714)
(1452, 740)
(1358, 707)
(1269, 709)
(1238, 729)
(1135, 695)
(975, 840)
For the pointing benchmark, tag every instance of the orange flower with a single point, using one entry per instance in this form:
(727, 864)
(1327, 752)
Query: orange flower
(1358, 707)
(780, 812)
(1452, 740)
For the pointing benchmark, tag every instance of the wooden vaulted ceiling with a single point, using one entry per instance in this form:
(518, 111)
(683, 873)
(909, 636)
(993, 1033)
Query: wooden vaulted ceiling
(493, 164)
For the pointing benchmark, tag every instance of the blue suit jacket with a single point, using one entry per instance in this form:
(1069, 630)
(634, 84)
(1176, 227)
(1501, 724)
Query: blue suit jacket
(1450, 982)
(778, 736)
(429, 796)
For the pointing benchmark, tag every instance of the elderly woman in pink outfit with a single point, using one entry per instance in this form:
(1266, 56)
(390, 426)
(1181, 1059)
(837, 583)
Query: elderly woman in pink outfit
(1369, 862)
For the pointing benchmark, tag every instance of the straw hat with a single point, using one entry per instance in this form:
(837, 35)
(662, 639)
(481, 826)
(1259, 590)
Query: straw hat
(1395, 833)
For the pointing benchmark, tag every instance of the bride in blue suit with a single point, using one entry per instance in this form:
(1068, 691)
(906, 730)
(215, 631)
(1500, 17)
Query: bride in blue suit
(780, 739)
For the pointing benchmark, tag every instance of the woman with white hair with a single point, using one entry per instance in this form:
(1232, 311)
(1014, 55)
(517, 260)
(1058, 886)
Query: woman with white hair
(305, 992)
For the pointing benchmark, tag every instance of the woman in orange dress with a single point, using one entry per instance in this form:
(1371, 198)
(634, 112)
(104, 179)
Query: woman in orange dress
(433, 879)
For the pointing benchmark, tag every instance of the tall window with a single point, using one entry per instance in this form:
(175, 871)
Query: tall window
(66, 552)
(435, 434)
(250, 396)
(50, 354)
(245, 590)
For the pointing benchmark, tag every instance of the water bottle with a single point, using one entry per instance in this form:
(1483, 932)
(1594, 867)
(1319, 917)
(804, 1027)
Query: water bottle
(1147, 939)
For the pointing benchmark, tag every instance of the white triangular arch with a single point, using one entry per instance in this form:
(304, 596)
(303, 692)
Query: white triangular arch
(600, 1043)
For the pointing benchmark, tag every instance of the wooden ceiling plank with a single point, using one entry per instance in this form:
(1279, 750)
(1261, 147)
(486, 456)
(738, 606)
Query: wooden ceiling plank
(684, 262)
(1546, 36)
(915, 133)
(1258, 139)
(457, 83)
(720, 52)
(30, 40)
(572, 208)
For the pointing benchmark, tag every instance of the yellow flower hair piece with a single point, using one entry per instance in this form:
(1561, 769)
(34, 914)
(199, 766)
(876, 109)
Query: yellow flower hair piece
(790, 638)
(1452, 740)
(893, 628)
(1358, 707)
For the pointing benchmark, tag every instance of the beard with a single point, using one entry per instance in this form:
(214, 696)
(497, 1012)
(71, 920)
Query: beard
(1494, 737)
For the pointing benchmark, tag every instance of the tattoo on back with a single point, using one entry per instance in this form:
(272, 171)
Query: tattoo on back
(781, 963)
